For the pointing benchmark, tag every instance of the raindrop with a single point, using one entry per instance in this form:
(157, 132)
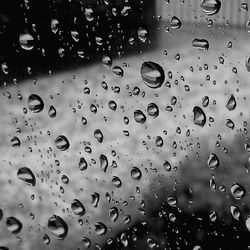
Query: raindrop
(244, 6)
(172, 201)
(118, 71)
(248, 223)
(153, 110)
(54, 25)
(152, 74)
(199, 116)
(95, 199)
(116, 181)
(75, 35)
(65, 179)
(89, 14)
(26, 41)
(62, 143)
(52, 112)
(84, 121)
(230, 124)
(100, 228)
(237, 191)
(167, 166)
(175, 23)
(14, 225)
(83, 165)
(231, 104)
(26, 175)
(139, 117)
(15, 142)
(205, 101)
(112, 105)
(113, 214)
(107, 61)
(213, 216)
(213, 161)
(200, 44)
(58, 227)
(77, 207)
(136, 173)
(35, 103)
(46, 239)
(210, 7)
(103, 162)
(159, 141)
(86, 242)
(142, 34)
(98, 135)
(235, 211)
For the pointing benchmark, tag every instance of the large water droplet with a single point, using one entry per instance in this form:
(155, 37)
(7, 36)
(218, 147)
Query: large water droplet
(35, 103)
(199, 116)
(210, 7)
(175, 23)
(139, 116)
(14, 225)
(100, 228)
(113, 214)
(62, 143)
(200, 44)
(213, 161)
(136, 173)
(152, 74)
(103, 162)
(77, 207)
(231, 104)
(237, 191)
(26, 175)
(153, 110)
(26, 41)
(58, 227)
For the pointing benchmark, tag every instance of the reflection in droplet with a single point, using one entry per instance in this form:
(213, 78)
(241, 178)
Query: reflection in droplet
(26, 41)
(237, 191)
(58, 227)
(35, 103)
(213, 161)
(136, 173)
(14, 225)
(231, 104)
(100, 228)
(200, 44)
(139, 117)
(210, 7)
(153, 110)
(26, 175)
(152, 74)
(175, 23)
(77, 207)
(62, 143)
(248, 223)
(199, 116)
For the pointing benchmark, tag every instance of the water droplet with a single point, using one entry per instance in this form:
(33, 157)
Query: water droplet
(210, 7)
(172, 201)
(103, 162)
(58, 227)
(84, 121)
(107, 61)
(118, 71)
(230, 124)
(26, 175)
(83, 165)
(95, 199)
(15, 142)
(205, 101)
(136, 173)
(52, 112)
(14, 225)
(247, 63)
(113, 214)
(248, 223)
(89, 14)
(153, 110)
(199, 116)
(151, 243)
(98, 135)
(112, 105)
(65, 179)
(159, 141)
(175, 23)
(100, 228)
(200, 44)
(46, 239)
(235, 211)
(35, 103)
(167, 166)
(244, 6)
(213, 161)
(142, 34)
(86, 242)
(116, 181)
(77, 207)
(139, 117)
(152, 74)
(237, 191)
(75, 35)
(54, 25)
(231, 104)
(26, 41)
(62, 143)
(213, 216)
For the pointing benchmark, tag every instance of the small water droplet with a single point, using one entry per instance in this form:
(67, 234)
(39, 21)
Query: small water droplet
(153, 110)
(98, 135)
(14, 225)
(199, 116)
(142, 34)
(86, 242)
(136, 173)
(107, 61)
(103, 162)
(237, 191)
(231, 104)
(235, 211)
(152, 74)
(35, 103)
(95, 199)
(26, 41)
(200, 44)
(230, 124)
(116, 181)
(52, 112)
(62, 143)
(100, 228)
(118, 71)
(205, 101)
(46, 239)
(26, 175)
(54, 25)
(175, 23)
(77, 207)
(15, 142)
(159, 142)
(113, 214)
(112, 105)
(58, 227)
(213, 161)
(139, 117)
